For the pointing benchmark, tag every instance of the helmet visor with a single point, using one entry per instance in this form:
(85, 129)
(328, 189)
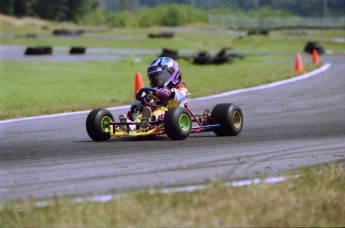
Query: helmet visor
(158, 78)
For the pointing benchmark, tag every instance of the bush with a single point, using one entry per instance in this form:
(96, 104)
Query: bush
(114, 19)
(171, 15)
(148, 17)
(125, 19)
(97, 17)
(177, 15)
(163, 15)
(267, 12)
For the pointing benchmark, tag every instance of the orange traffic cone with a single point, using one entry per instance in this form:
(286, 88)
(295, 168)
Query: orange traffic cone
(299, 64)
(138, 83)
(315, 57)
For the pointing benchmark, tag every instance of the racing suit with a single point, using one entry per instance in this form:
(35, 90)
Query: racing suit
(161, 105)
(178, 94)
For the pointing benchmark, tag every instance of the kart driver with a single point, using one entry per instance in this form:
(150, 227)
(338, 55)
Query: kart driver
(164, 75)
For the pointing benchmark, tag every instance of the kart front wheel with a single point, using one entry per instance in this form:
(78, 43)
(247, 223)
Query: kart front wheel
(97, 124)
(177, 123)
(229, 117)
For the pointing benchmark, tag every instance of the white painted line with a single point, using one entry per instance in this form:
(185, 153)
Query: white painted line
(325, 67)
(240, 183)
(59, 115)
(104, 198)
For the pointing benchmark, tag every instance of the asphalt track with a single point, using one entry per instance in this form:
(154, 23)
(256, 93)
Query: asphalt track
(287, 126)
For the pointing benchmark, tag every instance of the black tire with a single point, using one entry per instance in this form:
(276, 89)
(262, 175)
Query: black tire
(38, 51)
(230, 118)
(177, 123)
(310, 46)
(94, 122)
(77, 51)
(202, 58)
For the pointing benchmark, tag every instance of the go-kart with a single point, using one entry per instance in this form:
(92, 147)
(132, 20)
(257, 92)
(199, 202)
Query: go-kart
(225, 119)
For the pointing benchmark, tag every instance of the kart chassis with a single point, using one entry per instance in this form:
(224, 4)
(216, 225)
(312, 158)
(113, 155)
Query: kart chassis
(156, 127)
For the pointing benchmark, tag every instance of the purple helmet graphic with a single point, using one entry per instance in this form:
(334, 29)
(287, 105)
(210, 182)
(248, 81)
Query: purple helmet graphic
(164, 72)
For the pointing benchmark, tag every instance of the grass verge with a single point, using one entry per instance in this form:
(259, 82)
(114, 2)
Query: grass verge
(316, 198)
(36, 88)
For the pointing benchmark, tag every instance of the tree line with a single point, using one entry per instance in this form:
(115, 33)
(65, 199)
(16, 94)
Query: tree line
(308, 8)
(58, 10)
(165, 12)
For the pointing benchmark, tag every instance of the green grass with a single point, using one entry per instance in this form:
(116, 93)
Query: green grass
(137, 38)
(315, 199)
(42, 88)
(35, 88)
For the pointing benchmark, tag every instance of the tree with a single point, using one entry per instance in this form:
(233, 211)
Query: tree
(74, 10)
(53, 10)
(7, 7)
(17, 7)
(60, 10)
(81, 8)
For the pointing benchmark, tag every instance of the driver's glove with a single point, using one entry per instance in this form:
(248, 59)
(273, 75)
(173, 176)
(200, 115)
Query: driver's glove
(163, 93)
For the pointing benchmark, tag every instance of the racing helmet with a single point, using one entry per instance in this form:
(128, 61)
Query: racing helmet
(164, 72)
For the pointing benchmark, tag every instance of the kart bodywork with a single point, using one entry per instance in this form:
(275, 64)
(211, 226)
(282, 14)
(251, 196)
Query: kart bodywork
(225, 119)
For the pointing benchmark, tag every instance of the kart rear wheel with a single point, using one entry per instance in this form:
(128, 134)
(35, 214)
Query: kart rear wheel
(177, 123)
(230, 118)
(97, 124)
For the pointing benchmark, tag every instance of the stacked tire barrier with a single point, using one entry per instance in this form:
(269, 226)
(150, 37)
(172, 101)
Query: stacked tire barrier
(166, 35)
(38, 51)
(223, 56)
(77, 50)
(169, 53)
(311, 45)
(202, 58)
(66, 32)
(258, 31)
(49, 51)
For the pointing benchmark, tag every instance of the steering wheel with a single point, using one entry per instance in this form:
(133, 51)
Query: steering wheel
(146, 95)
